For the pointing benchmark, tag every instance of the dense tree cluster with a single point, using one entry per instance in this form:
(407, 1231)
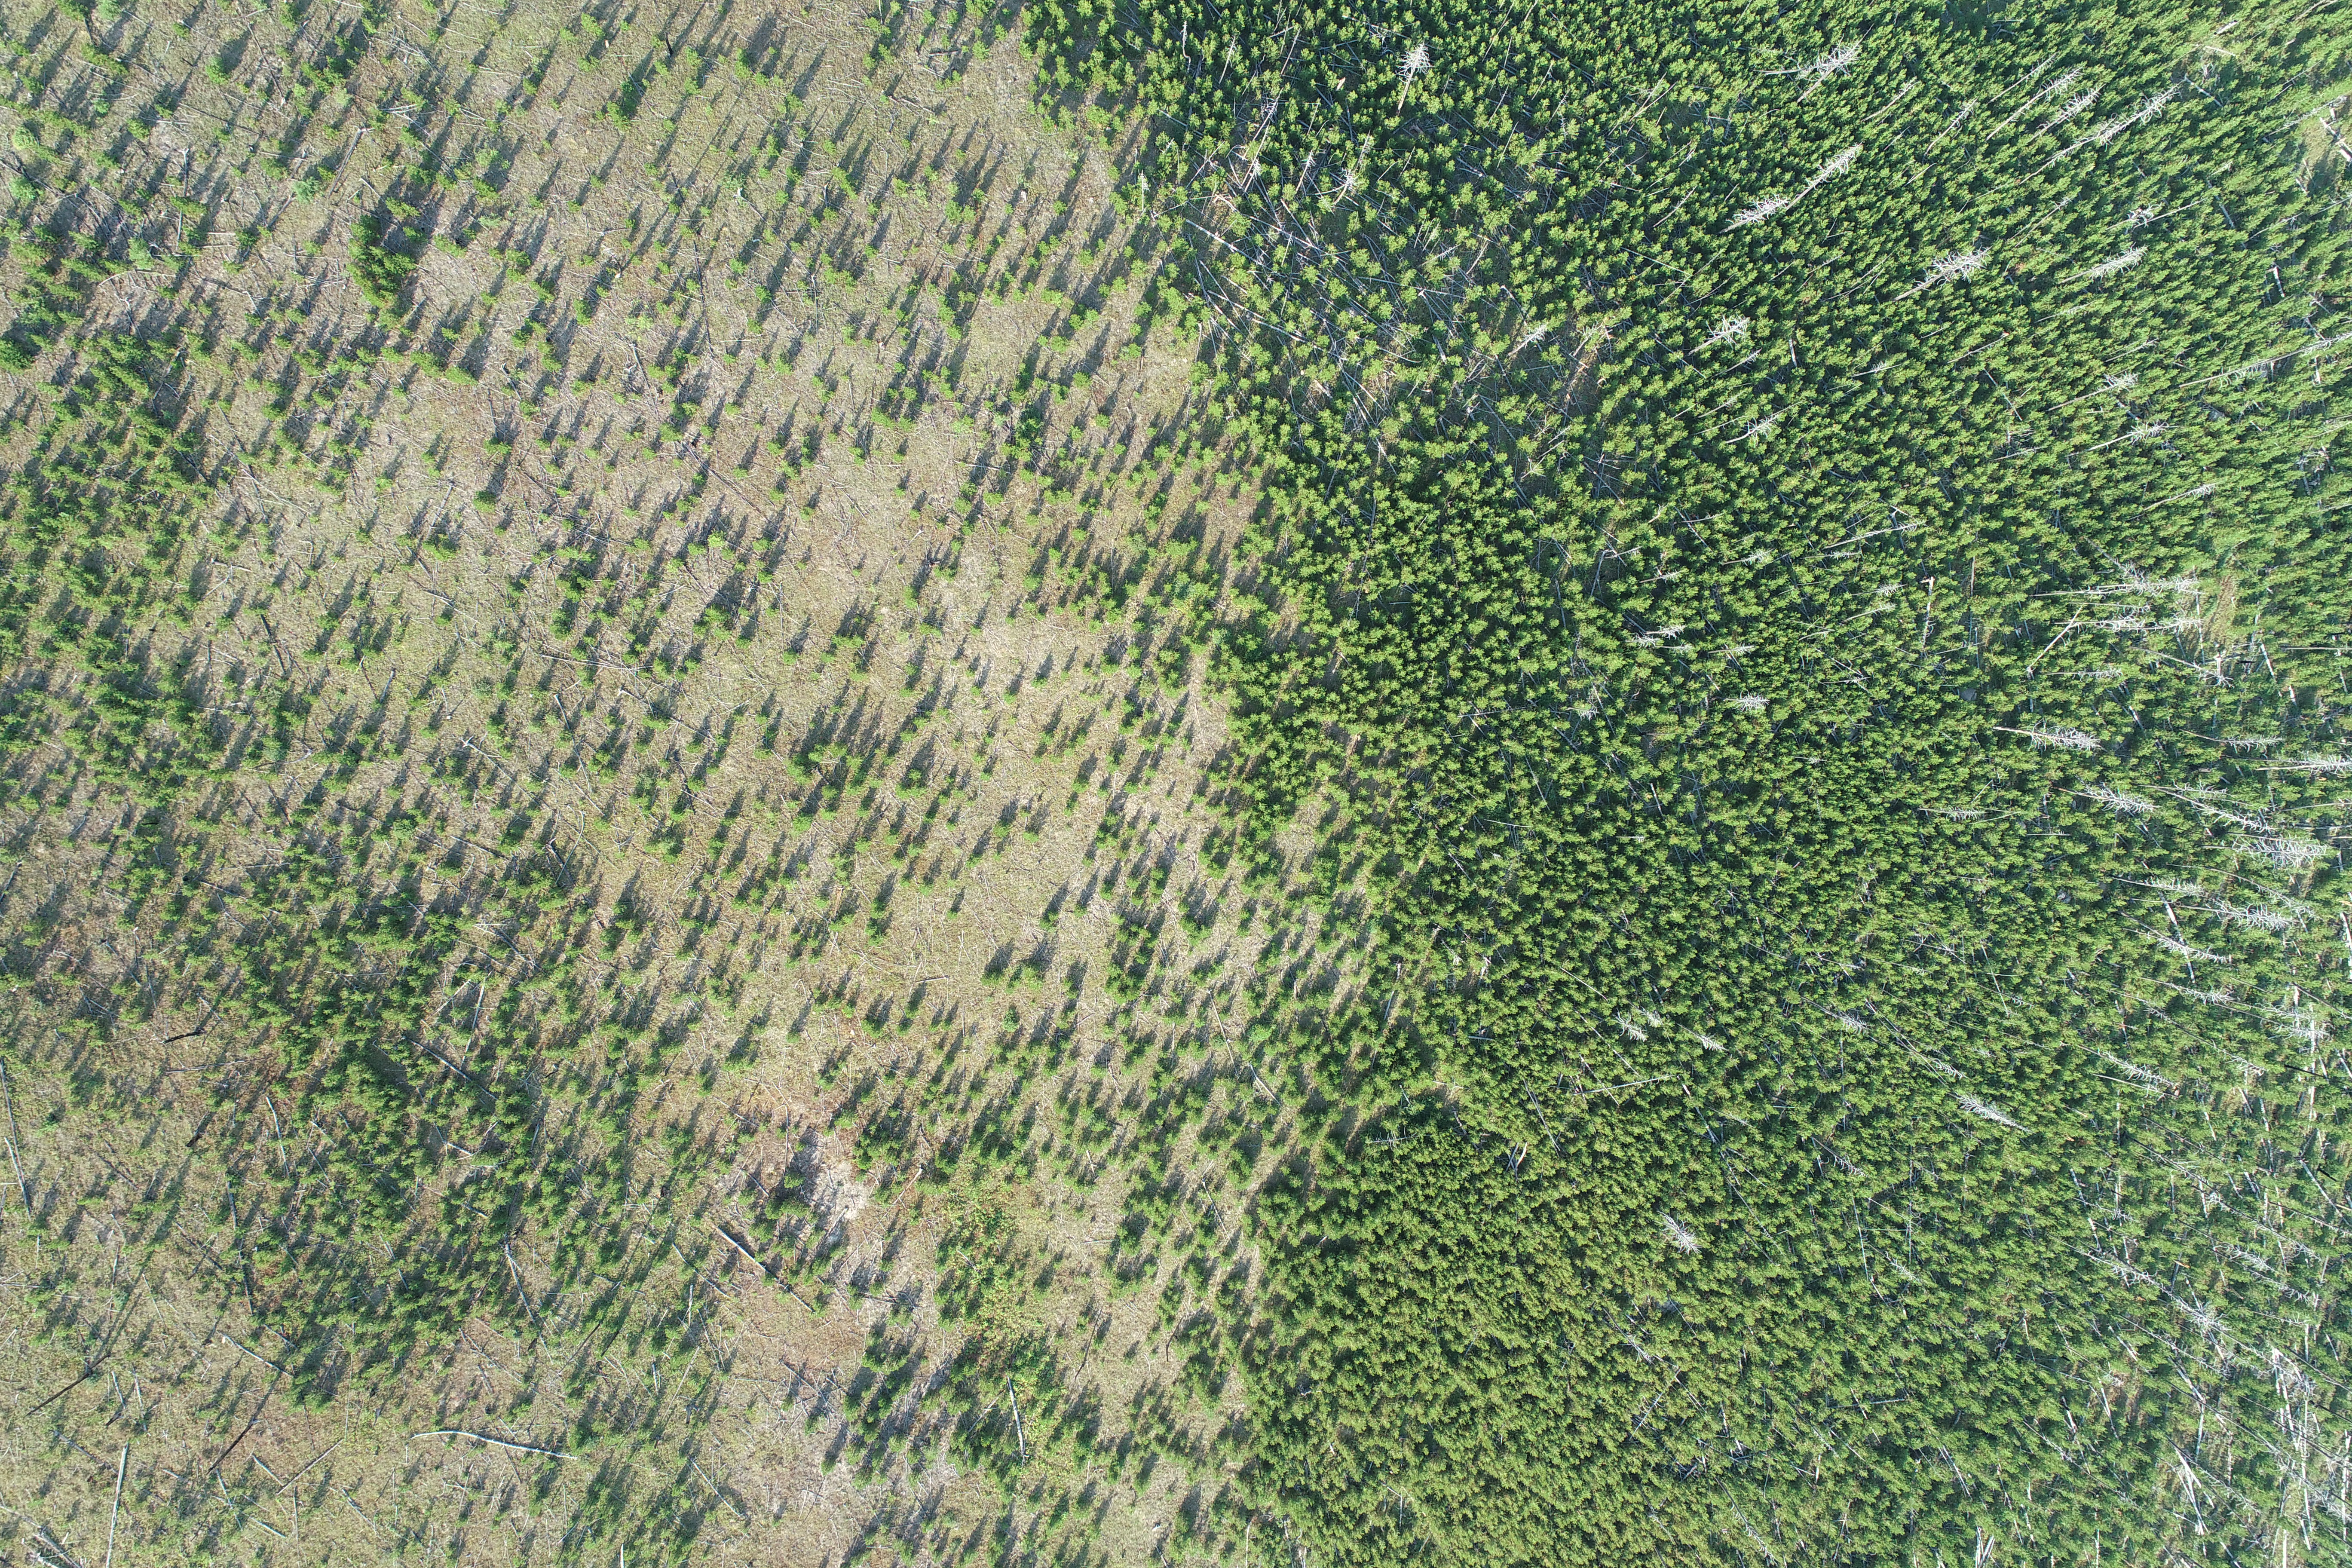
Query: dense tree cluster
(1805, 541)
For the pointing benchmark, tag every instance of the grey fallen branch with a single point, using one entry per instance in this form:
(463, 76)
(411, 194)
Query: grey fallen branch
(306, 1468)
(721, 1496)
(493, 1442)
(755, 1262)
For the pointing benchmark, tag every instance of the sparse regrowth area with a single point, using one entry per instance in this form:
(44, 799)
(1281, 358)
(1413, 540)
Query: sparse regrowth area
(1079, 785)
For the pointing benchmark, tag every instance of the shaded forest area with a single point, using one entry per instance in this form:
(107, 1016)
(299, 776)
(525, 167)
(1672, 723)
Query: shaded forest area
(1803, 546)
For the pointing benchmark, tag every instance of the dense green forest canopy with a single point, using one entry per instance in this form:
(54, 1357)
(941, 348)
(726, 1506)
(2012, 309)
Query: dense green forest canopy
(1803, 545)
